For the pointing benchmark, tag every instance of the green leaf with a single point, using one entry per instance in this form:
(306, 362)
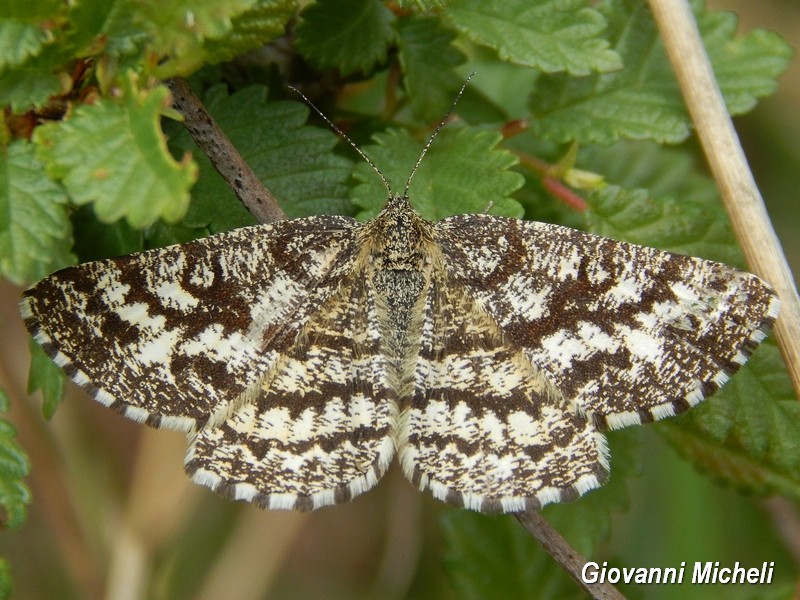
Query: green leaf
(639, 101)
(116, 28)
(497, 93)
(14, 466)
(463, 172)
(428, 57)
(642, 100)
(748, 433)
(113, 34)
(95, 240)
(746, 67)
(5, 580)
(495, 557)
(663, 171)
(293, 160)
(423, 5)
(19, 41)
(349, 35)
(114, 155)
(32, 83)
(166, 39)
(24, 29)
(35, 233)
(178, 31)
(71, 32)
(685, 226)
(676, 207)
(46, 376)
(253, 28)
(552, 35)
(211, 31)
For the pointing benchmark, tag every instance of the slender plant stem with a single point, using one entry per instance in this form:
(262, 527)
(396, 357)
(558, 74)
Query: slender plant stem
(552, 184)
(261, 203)
(729, 166)
(565, 555)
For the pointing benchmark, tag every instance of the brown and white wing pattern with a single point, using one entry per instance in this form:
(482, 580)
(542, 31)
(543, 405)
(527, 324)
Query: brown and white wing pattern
(320, 428)
(485, 428)
(516, 344)
(172, 336)
(626, 334)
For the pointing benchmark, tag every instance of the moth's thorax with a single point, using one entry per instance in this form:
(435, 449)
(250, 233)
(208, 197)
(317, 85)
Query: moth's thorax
(397, 237)
(400, 245)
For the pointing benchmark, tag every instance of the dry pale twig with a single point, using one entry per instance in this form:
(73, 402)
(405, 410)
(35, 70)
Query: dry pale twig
(729, 166)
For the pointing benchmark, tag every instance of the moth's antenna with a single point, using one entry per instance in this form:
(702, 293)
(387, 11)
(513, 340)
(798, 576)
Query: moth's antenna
(435, 133)
(343, 135)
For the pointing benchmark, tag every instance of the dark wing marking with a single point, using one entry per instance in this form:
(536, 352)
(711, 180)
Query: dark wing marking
(485, 429)
(172, 336)
(321, 427)
(626, 333)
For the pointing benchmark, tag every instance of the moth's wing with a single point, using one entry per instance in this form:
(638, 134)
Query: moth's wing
(626, 333)
(172, 336)
(321, 427)
(485, 429)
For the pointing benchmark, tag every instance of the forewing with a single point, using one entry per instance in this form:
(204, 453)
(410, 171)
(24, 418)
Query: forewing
(626, 333)
(485, 429)
(173, 336)
(321, 428)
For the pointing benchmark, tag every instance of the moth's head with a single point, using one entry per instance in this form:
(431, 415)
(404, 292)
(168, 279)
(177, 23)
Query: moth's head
(398, 214)
(397, 203)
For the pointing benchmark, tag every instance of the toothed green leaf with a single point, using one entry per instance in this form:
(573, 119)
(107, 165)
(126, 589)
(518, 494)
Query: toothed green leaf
(114, 155)
(35, 233)
(554, 35)
(253, 28)
(294, 160)
(349, 35)
(463, 172)
(14, 467)
(428, 57)
(642, 100)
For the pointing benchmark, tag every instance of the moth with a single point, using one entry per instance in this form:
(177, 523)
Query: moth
(488, 354)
